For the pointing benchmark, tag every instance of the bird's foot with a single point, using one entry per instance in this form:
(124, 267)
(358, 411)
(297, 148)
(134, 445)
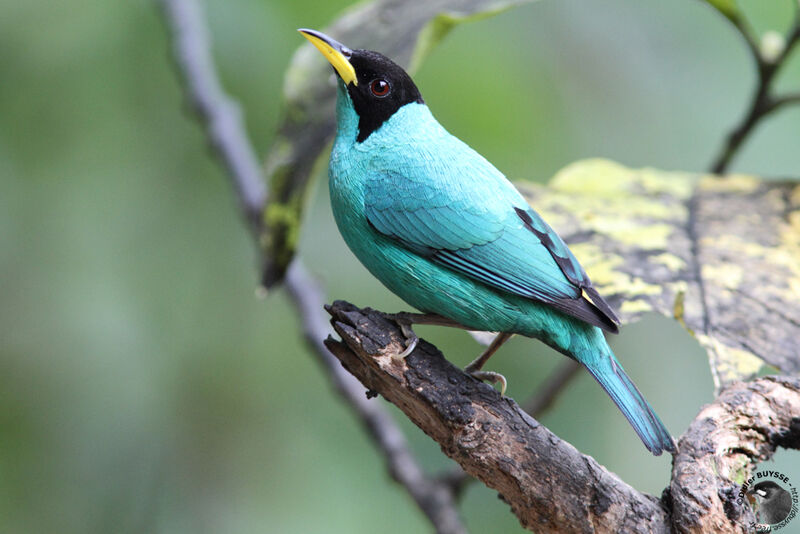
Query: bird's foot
(406, 319)
(408, 333)
(474, 368)
(489, 376)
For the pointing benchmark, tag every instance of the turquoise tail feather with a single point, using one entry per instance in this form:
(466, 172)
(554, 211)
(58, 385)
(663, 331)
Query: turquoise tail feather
(612, 377)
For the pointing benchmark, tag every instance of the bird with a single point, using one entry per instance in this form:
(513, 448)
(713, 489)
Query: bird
(448, 233)
(774, 502)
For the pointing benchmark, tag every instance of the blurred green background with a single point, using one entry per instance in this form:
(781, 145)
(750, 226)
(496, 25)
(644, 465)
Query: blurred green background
(143, 388)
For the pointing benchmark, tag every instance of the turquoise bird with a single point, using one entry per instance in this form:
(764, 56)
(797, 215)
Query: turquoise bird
(444, 230)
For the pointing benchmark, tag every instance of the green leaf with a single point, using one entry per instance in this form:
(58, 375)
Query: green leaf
(399, 30)
(720, 255)
(728, 8)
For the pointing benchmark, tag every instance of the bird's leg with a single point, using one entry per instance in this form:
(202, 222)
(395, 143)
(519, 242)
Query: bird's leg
(474, 368)
(406, 319)
(481, 360)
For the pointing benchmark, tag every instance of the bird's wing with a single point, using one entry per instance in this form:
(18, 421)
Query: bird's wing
(483, 228)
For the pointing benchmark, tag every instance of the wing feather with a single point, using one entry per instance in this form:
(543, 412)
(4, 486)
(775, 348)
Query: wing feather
(480, 226)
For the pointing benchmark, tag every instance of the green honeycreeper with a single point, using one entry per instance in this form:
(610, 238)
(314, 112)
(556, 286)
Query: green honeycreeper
(443, 229)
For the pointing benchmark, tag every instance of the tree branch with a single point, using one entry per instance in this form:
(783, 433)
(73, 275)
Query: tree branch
(549, 485)
(404, 31)
(763, 101)
(544, 398)
(433, 497)
(538, 404)
(784, 100)
(221, 117)
(742, 427)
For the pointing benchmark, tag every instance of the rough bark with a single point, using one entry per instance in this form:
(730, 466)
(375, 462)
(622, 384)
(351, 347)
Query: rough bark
(741, 427)
(549, 485)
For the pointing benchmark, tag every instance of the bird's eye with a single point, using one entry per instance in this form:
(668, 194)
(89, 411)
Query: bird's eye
(379, 87)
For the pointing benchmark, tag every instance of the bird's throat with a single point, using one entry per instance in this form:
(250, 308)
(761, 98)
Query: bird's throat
(346, 116)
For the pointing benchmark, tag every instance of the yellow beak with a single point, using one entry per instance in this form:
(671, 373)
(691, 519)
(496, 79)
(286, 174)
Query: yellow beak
(335, 52)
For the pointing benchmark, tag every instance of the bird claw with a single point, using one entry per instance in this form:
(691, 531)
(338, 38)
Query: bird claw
(406, 319)
(412, 344)
(474, 368)
(490, 376)
(411, 337)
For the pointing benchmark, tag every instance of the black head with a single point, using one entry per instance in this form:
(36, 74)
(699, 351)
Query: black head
(383, 88)
(377, 86)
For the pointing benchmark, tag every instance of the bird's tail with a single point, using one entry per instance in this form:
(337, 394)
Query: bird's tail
(609, 373)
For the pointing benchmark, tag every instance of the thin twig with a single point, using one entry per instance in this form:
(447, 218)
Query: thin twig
(763, 101)
(544, 398)
(225, 128)
(742, 27)
(784, 100)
